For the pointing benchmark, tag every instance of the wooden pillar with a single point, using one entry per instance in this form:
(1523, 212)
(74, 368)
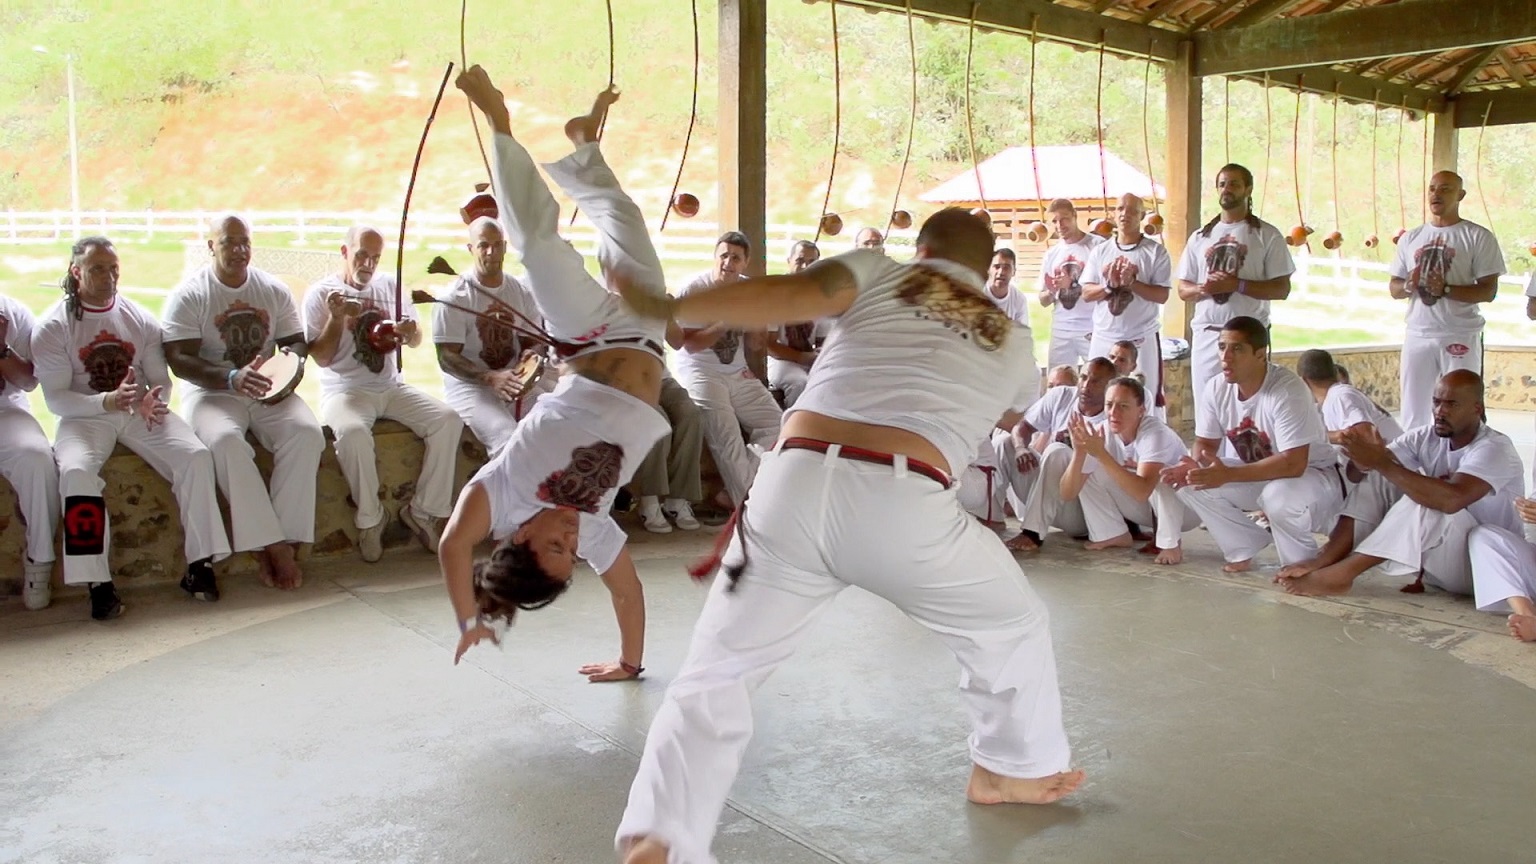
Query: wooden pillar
(1445, 138)
(743, 137)
(1181, 213)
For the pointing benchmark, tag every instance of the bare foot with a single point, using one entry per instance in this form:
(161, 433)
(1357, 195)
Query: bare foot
(1298, 570)
(285, 566)
(1124, 541)
(988, 788)
(1237, 566)
(1322, 582)
(1022, 543)
(583, 130)
(264, 568)
(645, 850)
(1149, 549)
(1523, 627)
(1171, 556)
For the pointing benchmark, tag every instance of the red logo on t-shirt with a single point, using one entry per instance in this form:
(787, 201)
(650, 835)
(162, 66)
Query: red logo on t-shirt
(1072, 270)
(1433, 259)
(107, 360)
(1226, 255)
(1250, 442)
(594, 470)
(1456, 349)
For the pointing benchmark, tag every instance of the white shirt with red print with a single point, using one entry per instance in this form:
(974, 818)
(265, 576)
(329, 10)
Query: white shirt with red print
(356, 365)
(235, 325)
(488, 346)
(726, 357)
(1459, 254)
(1281, 416)
(1236, 248)
(76, 361)
(1072, 314)
(1124, 314)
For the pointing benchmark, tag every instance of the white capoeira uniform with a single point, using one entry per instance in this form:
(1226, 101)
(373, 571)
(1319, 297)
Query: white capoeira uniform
(79, 362)
(1503, 566)
(362, 386)
(1442, 334)
(1043, 506)
(1253, 254)
(1281, 416)
(583, 441)
(26, 460)
(1072, 317)
(488, 347)
(235, 326)
(1106, 506)
(1345, 406)
(933, 359)
(1125, 316)
(993, 476)
(790, 377)
(730, 400)
(1411, 537)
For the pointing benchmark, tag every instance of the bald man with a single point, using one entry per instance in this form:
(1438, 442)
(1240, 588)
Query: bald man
(479, 358)
(347, 319)
(1444, 269)
(1424, 494)
(1129, 278)
(221, 324)
(871, 239)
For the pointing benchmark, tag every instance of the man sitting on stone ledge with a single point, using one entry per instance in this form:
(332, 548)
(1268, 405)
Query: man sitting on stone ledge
(26, 460)
(99, 359)
(221, 325)
(1425, 493)
(351, 338)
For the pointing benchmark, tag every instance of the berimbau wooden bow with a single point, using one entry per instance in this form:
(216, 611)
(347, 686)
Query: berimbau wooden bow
(405, 211)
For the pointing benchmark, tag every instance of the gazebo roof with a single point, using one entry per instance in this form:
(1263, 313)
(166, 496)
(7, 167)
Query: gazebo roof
(1069, 171)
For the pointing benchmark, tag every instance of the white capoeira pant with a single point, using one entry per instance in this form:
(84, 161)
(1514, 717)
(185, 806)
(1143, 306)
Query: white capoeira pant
(994, 479)
(729, 404)
(913, 546)
(1044, 508)
(789, 377)
(1204, 358)
(290, 432)
(83, 445)
(1297, 508)
(1410, 537)
(26, 462)
(492, 419)
(1106, 507)
(1503, 566)
(351, 414)
(1425, 360)
(1070, 348)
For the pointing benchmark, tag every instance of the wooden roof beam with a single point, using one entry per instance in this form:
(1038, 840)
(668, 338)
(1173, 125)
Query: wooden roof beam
(1467, 71)
(1259, 12)
(1322, 80)
(1409, 27)
(1509, 107)
(1056, 23)
(1512, 66)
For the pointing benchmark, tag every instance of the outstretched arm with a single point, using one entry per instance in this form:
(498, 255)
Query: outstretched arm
(823, 290)
(469, 524)
(623, 583)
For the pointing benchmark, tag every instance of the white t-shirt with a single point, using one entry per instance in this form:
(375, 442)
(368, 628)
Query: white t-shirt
(727, 356)
(1462, 254)
(235, 325)
(356, 365)
(921, 349)
(1124, 315)
(18, 338)
(1154, 442)
(1050, 413)
(486, 346)
(1234, 247)
(1015, 303)
(1491, 457)
(1070, 313)
(1281, 416)
(574, 450)
(1344, 406)
(77, 361)
(1530, 286)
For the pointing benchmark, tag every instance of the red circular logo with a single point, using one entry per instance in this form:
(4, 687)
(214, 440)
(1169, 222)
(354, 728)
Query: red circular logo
(1456, 349)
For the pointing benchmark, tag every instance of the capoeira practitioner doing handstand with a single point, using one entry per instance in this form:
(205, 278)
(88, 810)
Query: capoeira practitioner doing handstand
(26, 460)
(1259, 445)
(1116, 474)
(546, 497)
(1504, 572)
(1444, 268)
(1426, 491)
(1129, 276)
(1233, 266)
(103, 372)
(221, 326)
(918, 368)
(1045, 426)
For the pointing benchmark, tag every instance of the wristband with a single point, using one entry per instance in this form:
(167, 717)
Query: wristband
(631, 669)
(473, 621)
(229, 380)
(1242, 286)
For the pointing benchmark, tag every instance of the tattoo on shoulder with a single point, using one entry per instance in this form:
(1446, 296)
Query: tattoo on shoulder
(832, 278)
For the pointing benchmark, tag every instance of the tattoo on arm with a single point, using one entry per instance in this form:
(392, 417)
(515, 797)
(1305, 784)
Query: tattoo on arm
(451, 359)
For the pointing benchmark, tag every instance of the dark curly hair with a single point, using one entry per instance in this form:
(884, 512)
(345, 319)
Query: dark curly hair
(511, 579)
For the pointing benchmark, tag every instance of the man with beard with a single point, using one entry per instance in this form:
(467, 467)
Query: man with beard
(26, 461)
(712, 364)
(222, 324)
(792, 348)
(351, 338)
(1444, 268)
(1425, 493)
(1128, 276)
(479, 358)
(1232, 267)
(1259, 445)
(98, 358)
(1061, 287)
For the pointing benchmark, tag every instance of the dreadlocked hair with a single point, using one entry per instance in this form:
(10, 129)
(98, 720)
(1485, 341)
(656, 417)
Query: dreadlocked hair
(1252, 219)
(69, 283)
(511, 579)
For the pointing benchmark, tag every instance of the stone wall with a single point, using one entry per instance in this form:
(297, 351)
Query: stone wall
(146, 525)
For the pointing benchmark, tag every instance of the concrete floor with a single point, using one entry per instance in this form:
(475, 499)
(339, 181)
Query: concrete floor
(1218, 719)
